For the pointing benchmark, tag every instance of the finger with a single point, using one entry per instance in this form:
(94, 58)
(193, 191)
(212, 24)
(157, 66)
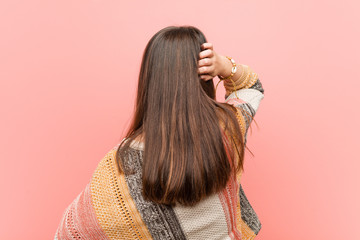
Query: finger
(206, 53)
(207, 46)
(205, 62)
(206, 77)
(205, 69)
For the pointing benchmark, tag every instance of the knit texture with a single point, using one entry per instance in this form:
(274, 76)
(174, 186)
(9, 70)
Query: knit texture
(111, 205)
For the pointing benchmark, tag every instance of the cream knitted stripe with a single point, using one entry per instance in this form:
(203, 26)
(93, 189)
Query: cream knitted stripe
(206, 220)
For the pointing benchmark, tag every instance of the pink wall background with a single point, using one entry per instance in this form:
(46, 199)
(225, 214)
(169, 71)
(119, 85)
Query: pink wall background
(68, 75)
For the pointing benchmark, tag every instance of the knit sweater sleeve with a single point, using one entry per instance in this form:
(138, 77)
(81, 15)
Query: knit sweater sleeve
(246, 97)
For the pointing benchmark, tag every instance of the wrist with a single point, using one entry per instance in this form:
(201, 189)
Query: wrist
(226, 66)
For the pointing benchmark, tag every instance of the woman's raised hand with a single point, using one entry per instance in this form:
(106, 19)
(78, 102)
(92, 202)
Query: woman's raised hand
(212, 64)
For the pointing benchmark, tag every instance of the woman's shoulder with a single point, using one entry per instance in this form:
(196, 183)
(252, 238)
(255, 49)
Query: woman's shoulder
(109, 162)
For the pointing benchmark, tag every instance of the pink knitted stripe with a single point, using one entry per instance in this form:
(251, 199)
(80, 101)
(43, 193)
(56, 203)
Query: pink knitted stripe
(228, 198)
(79, 220)
(226, 210)
(235, 101)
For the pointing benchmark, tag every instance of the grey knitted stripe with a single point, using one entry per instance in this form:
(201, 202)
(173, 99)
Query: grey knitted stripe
(258, 86)
(161, 220)
(248, 214)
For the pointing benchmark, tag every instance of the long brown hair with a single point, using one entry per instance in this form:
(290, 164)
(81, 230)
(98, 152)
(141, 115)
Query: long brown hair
(189, 137)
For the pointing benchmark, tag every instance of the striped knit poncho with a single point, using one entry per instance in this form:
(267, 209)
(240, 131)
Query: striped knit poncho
(111, 205)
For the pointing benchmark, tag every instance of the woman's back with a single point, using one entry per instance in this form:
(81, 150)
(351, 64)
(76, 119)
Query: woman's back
(180, 180)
